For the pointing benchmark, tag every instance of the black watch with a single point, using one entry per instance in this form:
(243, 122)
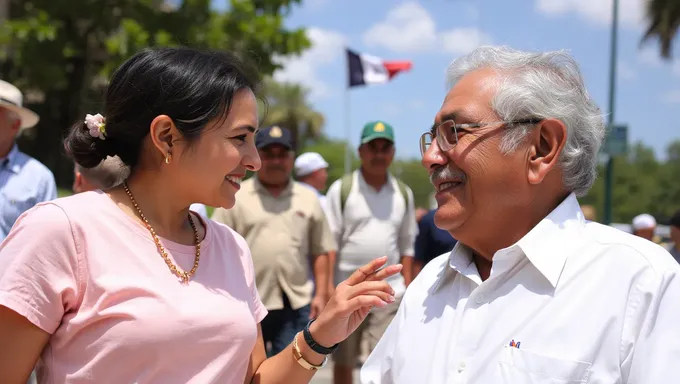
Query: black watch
(316, 347)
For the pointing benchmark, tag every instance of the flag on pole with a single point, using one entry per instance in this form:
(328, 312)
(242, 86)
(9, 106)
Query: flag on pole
(366, 69)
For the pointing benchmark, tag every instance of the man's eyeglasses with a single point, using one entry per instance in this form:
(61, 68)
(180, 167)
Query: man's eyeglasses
(446, 133)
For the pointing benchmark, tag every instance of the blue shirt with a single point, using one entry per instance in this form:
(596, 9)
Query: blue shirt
(24, 182)
(431, 241)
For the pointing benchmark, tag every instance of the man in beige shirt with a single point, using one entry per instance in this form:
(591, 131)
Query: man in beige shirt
(283, 223)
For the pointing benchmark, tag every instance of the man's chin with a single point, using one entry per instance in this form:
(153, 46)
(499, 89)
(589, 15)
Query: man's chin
(449, 216)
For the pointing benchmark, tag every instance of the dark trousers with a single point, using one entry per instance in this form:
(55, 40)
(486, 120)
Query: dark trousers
(280, 326)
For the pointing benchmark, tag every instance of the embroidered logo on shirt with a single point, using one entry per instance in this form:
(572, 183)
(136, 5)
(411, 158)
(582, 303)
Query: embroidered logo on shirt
(514, 344)
(300, 213)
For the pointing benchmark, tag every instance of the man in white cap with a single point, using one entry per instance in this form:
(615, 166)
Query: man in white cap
(312, 171)
(24, 181)
(644, 225)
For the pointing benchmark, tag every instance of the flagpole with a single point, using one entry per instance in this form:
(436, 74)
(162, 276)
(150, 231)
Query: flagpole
(348, 124)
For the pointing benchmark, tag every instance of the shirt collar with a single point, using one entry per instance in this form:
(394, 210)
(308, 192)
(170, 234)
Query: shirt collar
(388, 184)
(547, 245)
(10, 162)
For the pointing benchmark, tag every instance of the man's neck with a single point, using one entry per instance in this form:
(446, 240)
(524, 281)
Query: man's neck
(274, 189)
(499, 234)
(377, 181)
(5, 149)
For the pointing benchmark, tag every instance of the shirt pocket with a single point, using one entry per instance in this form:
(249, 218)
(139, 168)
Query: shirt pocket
(299, 226)
(519, 366)
(15, 203)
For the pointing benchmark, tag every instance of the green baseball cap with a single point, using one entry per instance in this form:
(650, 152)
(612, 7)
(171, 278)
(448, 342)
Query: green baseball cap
(377, 130)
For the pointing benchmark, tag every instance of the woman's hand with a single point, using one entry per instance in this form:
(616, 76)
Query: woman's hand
(352, 300)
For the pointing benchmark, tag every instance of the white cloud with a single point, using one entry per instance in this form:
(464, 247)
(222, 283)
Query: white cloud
(409, 27)
(671, 97)
(676, 68)
(625, 71)
(599, 12)
(462, 40)
(650, 56)
(327, 47)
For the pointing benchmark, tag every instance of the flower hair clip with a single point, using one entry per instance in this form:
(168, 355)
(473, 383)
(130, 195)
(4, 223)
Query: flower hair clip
(96, 125)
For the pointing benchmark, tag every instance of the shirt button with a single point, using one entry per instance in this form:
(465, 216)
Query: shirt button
(480, 299)
(461, 366)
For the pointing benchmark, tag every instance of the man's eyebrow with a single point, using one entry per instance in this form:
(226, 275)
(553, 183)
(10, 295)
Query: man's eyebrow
(448, 116)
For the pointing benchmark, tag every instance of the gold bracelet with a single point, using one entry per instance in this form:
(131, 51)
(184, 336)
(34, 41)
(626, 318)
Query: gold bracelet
(297, 355)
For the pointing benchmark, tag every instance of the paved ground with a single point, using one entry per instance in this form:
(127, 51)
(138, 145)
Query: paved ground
(325, 376)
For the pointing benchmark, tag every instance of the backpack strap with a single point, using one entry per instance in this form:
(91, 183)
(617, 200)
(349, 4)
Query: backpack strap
(345, 188)
(404, 193)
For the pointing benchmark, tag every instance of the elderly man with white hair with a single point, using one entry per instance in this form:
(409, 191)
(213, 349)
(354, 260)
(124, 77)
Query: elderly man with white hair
(24, 181)
(532, 292)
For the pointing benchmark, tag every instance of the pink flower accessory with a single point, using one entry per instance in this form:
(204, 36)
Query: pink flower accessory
(96, 125)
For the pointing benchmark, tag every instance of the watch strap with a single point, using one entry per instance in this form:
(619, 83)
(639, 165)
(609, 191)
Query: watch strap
(316, 347)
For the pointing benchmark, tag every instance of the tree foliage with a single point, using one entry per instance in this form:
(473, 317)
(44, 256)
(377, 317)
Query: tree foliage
(60, 52)
(663, 21)
(288, 106)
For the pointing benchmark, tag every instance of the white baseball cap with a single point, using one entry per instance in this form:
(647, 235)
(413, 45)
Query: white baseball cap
(644, 221)
(12, 99)
(309, 162)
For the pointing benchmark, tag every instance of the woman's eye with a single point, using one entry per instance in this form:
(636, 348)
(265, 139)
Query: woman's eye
(241, 138)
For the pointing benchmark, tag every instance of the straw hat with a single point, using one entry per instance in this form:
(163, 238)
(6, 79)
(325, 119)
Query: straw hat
(12, 99)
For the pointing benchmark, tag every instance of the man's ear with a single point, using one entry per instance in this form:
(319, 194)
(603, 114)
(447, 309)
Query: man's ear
(546, 140)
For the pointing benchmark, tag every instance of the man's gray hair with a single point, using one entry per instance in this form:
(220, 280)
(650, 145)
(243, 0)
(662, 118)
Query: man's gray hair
(542, 85)
(109, 173)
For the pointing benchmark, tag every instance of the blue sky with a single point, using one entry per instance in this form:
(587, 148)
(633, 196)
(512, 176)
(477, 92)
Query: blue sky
(432, 33)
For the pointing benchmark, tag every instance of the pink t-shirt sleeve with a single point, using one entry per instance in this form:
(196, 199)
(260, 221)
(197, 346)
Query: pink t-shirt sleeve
(256, 306)
(39, 268)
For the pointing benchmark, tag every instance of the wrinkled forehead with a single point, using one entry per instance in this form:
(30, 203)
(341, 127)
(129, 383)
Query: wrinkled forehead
(469, 100)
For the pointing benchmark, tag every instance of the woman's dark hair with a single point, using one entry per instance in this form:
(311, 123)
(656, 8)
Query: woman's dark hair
(191, 86)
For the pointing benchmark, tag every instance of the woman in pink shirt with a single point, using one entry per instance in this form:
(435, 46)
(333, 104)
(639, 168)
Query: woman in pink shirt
(127, 285)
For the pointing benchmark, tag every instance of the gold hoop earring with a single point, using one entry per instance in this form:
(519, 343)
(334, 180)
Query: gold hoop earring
(168, 157)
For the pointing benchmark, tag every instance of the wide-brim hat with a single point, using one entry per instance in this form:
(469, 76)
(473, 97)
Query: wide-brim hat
(12, 99)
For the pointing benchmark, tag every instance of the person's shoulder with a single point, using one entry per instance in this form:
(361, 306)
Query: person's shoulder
(629, 251)
(34, 166)
(429, 277)
(305, 192)
(334, 188)
(60, 216)
(228, 237)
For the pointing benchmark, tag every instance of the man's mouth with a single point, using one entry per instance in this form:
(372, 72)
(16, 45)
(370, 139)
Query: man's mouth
(441, 187)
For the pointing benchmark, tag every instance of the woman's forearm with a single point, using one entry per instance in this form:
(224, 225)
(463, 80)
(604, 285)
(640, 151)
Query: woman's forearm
(284, 369)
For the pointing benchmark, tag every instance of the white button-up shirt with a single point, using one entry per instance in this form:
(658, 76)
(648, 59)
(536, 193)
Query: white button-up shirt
(571, 302)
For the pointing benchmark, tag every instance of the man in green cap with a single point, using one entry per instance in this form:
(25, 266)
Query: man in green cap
(371, 214)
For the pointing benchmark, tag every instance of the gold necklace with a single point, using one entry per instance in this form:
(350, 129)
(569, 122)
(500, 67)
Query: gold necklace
(183, 276)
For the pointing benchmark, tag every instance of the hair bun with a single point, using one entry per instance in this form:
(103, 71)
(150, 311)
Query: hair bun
(86, 150)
